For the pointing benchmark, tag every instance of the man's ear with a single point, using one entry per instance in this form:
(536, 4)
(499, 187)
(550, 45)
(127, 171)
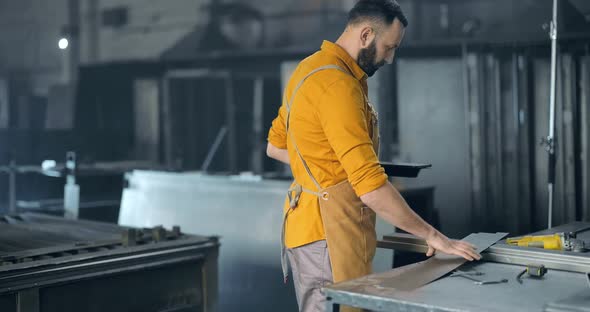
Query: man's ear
(367, 36)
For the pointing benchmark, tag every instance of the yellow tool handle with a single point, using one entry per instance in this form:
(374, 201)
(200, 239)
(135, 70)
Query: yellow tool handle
(553, 242)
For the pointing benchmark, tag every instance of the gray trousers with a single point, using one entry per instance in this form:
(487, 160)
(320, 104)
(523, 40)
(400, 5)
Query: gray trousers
(311, 269)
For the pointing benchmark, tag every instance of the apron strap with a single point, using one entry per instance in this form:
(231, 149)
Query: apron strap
(284, 259)
(298, 189)
(289, 105)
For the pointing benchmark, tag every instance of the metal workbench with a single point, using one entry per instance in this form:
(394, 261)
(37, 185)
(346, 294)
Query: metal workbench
(564, 288)
(53, 264)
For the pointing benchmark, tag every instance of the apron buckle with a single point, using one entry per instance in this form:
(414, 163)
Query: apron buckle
(294, 200)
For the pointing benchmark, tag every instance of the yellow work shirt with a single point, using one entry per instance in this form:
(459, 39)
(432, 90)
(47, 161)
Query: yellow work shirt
(332, 125)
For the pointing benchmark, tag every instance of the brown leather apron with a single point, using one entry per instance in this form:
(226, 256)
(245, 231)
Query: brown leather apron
(349, 225)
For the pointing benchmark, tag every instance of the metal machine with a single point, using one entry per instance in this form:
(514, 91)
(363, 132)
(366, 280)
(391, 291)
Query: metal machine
(553, 280)
(54, 264)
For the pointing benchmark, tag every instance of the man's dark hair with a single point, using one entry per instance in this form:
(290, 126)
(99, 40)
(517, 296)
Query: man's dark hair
(384, 11)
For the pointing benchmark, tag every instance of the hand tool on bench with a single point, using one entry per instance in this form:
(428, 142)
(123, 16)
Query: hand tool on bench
(534, 271)
(565, 241)
(469, 276)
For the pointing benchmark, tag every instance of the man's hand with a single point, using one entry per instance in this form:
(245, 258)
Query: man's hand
(441, 243)
(390, 205)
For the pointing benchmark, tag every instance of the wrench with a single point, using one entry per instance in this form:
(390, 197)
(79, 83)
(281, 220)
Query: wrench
(468, 275)
(491, 282)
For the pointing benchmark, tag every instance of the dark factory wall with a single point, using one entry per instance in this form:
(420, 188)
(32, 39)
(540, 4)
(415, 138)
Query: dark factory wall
(489, 168)
(506, 169)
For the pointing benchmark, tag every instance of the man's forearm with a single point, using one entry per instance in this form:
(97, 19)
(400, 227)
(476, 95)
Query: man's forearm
(279, 154)
(387, 202)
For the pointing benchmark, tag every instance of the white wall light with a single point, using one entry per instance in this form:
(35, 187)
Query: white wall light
(63, 43)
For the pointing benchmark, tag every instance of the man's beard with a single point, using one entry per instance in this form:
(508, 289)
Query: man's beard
(367, 59)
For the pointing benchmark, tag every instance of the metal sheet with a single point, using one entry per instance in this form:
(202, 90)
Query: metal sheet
(439, 265)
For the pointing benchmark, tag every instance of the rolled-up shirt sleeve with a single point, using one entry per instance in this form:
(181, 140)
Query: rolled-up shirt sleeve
(277, 135)
(342, 113)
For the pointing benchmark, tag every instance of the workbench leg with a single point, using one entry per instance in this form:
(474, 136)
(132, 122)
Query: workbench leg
(28, 300)
(331, 306)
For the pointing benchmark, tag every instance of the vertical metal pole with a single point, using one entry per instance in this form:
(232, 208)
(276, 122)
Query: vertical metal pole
(66, 66)
(517, 213)
(388, 148)
(213, 149)
(516, 112)
(189, 149)
(473, 72)
(257, 126)
(231, 124)
(467, 110)
(470, 122)
(71, 55)
(499, 124)
(565, 192)
(92, 34)
(524, 150)
(492, 151)
(74, 38)
(167, 122)
(28, 300)
(12, 186)
(585, 135)
(550, 141)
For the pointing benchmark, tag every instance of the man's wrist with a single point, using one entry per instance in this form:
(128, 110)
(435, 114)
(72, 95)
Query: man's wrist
(431, 233)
